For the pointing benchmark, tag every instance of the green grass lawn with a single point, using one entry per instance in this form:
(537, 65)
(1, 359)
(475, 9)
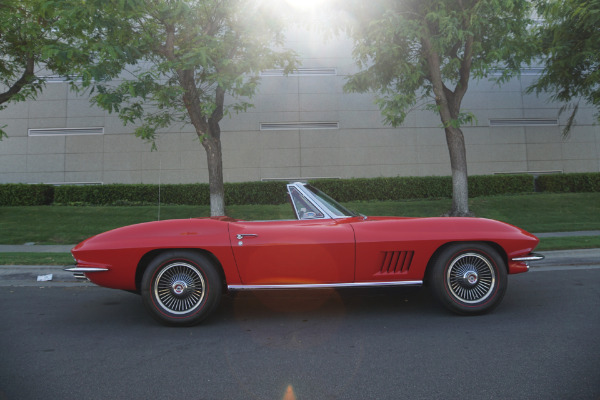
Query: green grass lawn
(568, 243)
(539, 212)
(533, 212)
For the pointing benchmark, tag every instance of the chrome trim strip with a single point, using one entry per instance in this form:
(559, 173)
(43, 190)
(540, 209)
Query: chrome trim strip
(324, 285)
(531, 257)
(86, 269)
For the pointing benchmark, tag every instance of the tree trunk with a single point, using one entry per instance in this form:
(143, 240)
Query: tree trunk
(458, 164)
(449, 109)
(209, 133)
(214, 159)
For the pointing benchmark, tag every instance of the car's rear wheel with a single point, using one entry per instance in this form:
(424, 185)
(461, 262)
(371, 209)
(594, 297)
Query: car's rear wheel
(468, 278)
(181, 288)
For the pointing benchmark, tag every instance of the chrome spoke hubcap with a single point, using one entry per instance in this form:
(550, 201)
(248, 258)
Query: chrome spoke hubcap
(179, 288)
(471, 278)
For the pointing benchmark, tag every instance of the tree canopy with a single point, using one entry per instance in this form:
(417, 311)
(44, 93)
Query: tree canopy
(187, 56)
(569, 41)
(423, 53)
(46, 37)
(27, 32)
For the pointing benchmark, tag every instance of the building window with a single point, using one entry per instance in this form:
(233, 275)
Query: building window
(319, 71)
(527, 71)
(58, 78)
(65, 131)
(523, 122)
(293, 126)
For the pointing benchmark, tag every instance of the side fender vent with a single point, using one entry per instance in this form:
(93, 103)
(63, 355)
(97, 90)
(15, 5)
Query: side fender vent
(395, 262)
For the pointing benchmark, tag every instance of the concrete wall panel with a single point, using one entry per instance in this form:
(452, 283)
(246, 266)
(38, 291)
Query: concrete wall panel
(13, 146)
(362, 146)
(12, 163)
(83, 162)
(15, 127)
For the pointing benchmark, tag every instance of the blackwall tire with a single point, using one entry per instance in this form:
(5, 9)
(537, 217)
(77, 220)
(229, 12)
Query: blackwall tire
(181, 288)
(468, 278)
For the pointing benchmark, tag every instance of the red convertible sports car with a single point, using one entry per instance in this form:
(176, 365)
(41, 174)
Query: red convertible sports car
(182, 267)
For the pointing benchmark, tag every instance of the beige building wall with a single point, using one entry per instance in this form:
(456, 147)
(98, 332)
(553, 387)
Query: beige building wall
(302, 126)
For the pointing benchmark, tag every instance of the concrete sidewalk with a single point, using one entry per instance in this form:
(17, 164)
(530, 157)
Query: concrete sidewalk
(566, 234)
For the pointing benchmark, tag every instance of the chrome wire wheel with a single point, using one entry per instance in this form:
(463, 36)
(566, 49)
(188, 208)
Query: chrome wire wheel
(470, 278)
(179, 288)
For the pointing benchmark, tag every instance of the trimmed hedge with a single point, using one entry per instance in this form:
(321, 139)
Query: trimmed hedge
(273, 192)
(492, 185)
(363, 189)
(193, 194)
(576, 183)
(20, 194)
(118, 194)
(427, 187)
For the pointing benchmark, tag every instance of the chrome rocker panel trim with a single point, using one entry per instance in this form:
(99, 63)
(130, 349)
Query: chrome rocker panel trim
(324, 285)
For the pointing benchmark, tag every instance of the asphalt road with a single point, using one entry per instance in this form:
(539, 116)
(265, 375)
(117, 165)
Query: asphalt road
(84, 342)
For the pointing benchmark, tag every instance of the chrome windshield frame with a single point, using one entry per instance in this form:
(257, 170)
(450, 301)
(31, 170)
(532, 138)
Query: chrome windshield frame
(314, 200)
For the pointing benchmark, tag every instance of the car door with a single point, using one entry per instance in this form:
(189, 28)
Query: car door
(293, 252)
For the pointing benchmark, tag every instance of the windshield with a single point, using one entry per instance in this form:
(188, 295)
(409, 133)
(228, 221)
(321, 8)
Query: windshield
(333, 207)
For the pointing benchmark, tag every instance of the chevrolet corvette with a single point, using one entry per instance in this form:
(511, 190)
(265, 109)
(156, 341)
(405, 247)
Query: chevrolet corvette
(182, 267)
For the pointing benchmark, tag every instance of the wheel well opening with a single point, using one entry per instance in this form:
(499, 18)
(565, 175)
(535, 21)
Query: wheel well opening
(433, 258)
(148, 257)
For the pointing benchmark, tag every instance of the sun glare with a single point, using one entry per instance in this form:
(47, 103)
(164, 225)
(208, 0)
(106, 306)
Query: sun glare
(305, 4)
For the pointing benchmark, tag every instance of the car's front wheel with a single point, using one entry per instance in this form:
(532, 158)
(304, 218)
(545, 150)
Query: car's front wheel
(468, 278)
(181, 288)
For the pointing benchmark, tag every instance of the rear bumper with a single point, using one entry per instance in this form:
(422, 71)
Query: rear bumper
(86, 269)
(79, 272)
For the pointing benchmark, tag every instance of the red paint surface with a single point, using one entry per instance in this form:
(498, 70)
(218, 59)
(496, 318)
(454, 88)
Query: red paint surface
(316, 251)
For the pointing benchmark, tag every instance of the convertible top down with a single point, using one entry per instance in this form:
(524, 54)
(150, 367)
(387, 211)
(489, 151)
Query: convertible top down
(182, 267)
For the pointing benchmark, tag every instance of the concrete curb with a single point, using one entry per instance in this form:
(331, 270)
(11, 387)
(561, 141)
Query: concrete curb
(567, 234)
(35, 248)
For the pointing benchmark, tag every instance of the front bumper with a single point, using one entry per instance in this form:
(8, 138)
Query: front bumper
(530, 257)
(518, 265)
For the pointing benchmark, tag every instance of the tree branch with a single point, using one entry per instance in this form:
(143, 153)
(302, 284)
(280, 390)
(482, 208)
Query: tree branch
(26, 78)
(191, 100)
(464, 72)
(453, 53)
(217, 114)
(439, 89)
(168, 49)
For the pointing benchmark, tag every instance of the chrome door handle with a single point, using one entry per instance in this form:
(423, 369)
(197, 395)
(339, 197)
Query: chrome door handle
(241, 236)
